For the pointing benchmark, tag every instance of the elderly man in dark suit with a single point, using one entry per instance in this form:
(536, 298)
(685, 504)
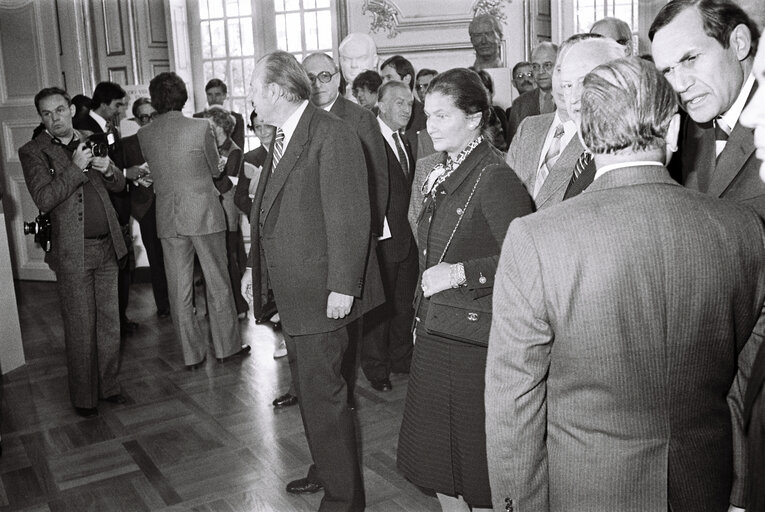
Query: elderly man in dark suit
(622, 319)
(310, 237)
(711, 70)
(67, 182)
(539, 100)
(400, 69)
(183, 158)
(753, 117)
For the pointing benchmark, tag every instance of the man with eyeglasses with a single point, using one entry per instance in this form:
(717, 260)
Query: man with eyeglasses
(615, 29)
(142, 206)
(540, 100)
(523, 78)
(72, 185)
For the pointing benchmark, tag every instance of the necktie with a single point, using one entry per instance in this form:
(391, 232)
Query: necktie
(547, 103)
(552, 156)
(583, 161)
(278, 148)
(401, 155)
(721, 136)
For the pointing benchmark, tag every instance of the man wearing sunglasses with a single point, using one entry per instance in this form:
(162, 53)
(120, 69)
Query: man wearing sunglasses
(540, 100)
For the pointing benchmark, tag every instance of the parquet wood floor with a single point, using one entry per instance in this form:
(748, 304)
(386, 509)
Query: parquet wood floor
(201, 441)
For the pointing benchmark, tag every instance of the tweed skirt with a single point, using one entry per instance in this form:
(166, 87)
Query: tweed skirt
(442, 443)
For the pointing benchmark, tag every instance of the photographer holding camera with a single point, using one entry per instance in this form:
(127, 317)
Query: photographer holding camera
(71, 184)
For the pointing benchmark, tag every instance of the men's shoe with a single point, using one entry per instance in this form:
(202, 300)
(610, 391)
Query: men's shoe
(267, 312)
(86, 412)
(196, 366)
(245, 351)
(303, 486)
(381, 384)
(163, 313)
(281, 350)
(116, 399)
(286, 400)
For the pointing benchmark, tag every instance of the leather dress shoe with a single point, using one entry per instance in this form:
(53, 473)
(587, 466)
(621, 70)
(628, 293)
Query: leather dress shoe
(303, 486)
(119, 398)
(196, 366)
(285, 400)
(381, 384)
(86, 412)
(244, 351)
(267, 311)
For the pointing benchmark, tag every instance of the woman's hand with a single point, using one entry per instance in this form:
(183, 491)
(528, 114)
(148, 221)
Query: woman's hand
(436, 279)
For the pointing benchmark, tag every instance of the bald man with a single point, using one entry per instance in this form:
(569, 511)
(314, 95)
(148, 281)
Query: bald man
(616, 29)
(539, 100)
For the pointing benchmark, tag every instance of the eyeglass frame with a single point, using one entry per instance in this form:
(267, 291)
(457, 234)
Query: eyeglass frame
(529, 74)
(547, 66)
(148, 117)
(326, 74)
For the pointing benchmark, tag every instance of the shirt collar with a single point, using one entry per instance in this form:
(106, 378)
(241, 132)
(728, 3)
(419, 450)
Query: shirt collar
(638, 163)
(329, 106)
(290, 125)
(730, 118)
(100, 120)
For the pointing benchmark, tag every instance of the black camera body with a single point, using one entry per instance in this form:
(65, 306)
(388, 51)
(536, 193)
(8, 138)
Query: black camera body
(42, 229)
(98, 144)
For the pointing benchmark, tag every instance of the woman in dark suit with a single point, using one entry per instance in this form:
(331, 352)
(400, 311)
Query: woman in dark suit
(470, 198)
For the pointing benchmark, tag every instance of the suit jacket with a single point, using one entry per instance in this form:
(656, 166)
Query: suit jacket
(183, 158)
(141, 198)
(417, 122)
(619, 317)
(363, 122)
(310, 228)
(582, 182)
(120, 198)
(498, 199)
(525, 152)
(257, 158)
(754, 422)
(60, 194)
(238, 134)
(734, 175)
(525, 105)
(396, 248)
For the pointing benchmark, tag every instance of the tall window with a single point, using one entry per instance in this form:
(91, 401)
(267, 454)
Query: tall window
(589, 11)
(234, 33)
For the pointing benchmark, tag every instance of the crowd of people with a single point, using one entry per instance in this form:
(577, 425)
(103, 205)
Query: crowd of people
(575, 286)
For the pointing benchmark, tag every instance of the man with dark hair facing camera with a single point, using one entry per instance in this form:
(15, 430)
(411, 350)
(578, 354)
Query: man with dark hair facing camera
(67, 181)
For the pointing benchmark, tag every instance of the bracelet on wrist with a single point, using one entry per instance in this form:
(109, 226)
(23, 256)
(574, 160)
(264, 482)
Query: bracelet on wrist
(457, 275)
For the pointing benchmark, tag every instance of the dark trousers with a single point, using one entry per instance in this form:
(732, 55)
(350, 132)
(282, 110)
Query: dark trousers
(91, 324)
(236, 254)
(315, 362)
(387, 345)
(148, 224)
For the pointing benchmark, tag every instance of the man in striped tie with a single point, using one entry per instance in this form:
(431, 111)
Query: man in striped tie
(583, 57)
(310, 223)
(706, 50)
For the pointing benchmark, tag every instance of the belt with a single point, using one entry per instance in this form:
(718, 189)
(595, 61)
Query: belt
(98, 237)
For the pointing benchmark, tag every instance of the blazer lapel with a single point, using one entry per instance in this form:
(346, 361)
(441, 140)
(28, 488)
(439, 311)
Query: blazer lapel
(561, 172)
(537, 142)
(737, 151)
(278, 178)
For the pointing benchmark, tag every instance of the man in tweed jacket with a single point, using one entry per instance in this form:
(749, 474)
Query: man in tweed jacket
(622, 319)
(68, 182)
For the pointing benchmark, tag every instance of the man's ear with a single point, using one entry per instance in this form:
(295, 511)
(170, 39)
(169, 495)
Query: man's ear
(673, 133)
(741, 41)
(407, 79)
(72, 109)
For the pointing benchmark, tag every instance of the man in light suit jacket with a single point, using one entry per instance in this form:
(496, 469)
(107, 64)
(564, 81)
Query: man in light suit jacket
(183, 158)
(622, 319)
(539, 100)
(67, 182)
(310, 223)
(716, 151)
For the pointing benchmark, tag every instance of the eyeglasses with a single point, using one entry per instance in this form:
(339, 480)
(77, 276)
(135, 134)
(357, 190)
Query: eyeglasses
(145, 118)
(323, 77)
(547, 66)
(528, 74)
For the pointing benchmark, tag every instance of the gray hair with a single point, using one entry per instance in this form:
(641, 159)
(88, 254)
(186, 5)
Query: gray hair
(283, 69)
(488, 18)
(627, 104)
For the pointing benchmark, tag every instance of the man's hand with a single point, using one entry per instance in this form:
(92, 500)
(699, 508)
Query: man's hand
(101, 164)
(246, 285)
(338, 305)
(135, 172)
(82, 156)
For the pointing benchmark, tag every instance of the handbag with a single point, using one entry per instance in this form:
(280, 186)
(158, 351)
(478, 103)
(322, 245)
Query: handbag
(448, 314)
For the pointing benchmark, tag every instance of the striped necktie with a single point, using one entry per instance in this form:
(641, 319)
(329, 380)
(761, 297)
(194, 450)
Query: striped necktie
(278, 149)
(722, 131)
(581, 164)
(402, 158)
